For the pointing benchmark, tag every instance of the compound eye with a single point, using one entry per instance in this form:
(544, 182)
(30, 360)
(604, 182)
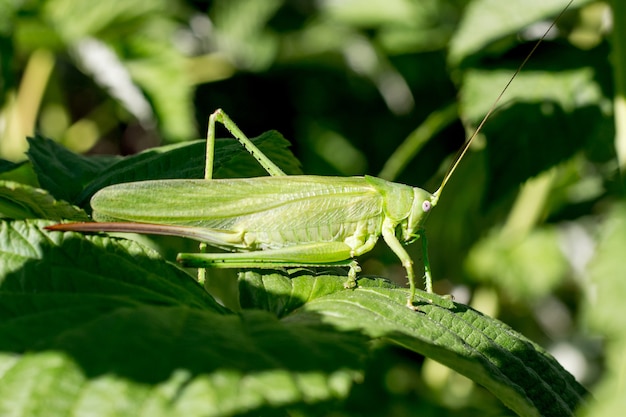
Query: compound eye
(426, 206)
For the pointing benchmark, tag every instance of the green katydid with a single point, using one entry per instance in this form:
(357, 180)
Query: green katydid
(277, 221)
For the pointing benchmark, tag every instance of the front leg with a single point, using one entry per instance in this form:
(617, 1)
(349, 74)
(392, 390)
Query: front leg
(392, 241)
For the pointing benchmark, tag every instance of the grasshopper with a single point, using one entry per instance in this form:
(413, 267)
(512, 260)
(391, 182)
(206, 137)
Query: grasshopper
(277, 221)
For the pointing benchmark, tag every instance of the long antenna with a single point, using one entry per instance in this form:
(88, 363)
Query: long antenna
(463, 151)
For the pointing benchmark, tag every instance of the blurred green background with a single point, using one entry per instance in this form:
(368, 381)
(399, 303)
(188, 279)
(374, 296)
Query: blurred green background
(531, 228)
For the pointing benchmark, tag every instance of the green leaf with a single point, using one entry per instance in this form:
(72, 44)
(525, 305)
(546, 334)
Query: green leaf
(76, 19)
(552, 110)
(176, 361)
(486, 21)
(526, 268)
(139, 36)
(605, 312)
(609, 276)
(145, 333)
(281, 295)
(160, 70)
(373, 13)
(564, 101)
(6, 166)
(21, 172)
(231, 161)
(516, 370)
(187, 161)
(241, 32)
(97, 319)
(19, 201)
(62, 172)
(41, 262)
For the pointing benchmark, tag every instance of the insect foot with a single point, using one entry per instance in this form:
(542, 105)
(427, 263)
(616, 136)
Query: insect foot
(351, 282)
(409, 304)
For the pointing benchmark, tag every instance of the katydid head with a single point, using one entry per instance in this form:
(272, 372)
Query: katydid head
(423, 203)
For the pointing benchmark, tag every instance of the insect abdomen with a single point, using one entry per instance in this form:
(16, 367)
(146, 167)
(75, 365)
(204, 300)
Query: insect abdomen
(354, 234)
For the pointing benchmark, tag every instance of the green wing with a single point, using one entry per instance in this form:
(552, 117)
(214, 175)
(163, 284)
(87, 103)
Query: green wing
(289, 208)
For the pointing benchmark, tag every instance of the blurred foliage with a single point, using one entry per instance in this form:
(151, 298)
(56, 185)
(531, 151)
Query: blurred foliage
(536, 200)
